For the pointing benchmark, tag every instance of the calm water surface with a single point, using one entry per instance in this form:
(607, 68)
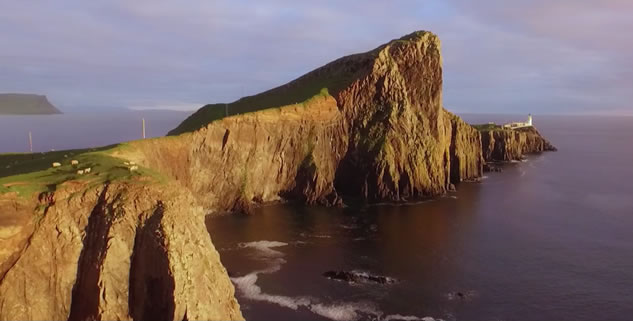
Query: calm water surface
(547, 239)
(83, 129)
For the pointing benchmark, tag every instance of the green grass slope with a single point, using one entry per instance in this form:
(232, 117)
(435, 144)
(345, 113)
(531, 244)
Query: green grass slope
(333, 77)
(30, 173)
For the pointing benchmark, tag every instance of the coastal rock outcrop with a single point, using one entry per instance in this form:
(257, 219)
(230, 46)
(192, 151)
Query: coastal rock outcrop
(504, 145)
(369, 126)
(373, 128)
(113, 252)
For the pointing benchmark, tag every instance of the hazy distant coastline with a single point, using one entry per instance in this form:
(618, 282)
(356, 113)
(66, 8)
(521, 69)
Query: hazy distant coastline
(26, 104)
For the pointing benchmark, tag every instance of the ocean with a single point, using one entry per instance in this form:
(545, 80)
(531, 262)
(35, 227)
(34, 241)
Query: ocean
(83, 129)
(550, 238)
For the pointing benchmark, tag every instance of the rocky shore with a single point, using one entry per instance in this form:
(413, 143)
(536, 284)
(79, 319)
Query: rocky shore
(369, 126)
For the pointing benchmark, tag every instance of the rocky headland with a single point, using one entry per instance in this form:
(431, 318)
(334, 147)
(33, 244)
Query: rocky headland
(503, 145)
(121, 242)
(26, 104)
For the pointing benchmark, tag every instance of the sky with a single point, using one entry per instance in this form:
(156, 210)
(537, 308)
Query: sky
(521, 56)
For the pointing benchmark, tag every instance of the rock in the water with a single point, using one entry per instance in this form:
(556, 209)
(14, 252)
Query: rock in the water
(490, 167)
(358, 277)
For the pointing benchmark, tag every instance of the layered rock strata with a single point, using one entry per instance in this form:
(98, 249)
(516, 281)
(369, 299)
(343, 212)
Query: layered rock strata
(508, 145)
(113, 252)
(369, 126)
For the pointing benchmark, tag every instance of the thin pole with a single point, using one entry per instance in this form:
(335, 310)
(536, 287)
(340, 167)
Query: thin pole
(143, 128)
(30, 142)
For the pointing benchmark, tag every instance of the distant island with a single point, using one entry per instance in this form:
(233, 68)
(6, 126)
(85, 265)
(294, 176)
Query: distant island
(26, 104)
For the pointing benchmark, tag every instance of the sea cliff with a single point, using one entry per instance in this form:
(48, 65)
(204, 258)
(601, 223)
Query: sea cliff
(126, 243)
(502, 145)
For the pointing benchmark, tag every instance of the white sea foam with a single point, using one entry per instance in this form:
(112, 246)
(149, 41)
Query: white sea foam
(247, 286)
(265, 247)
(398, 317)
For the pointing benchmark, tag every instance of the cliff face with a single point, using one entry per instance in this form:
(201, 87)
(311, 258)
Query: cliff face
(26, 104)
(507, 145)
(379, 133)
(368, 126)
(466, 154)
(118, 251)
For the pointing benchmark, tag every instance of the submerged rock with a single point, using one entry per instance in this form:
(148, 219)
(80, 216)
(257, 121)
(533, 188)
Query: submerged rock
(491, 167)
(358, 277)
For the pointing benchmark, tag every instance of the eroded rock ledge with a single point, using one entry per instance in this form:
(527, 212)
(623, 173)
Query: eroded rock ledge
(118, 251)
(508, 145)
(374, 129)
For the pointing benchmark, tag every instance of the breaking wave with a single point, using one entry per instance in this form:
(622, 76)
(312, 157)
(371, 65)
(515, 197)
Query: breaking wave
(247, 286)
(264, 247)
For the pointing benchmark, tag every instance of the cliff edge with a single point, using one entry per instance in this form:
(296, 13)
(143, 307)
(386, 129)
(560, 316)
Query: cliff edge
(368, 126)
(126, 239)
(503, 145)
(26, 104)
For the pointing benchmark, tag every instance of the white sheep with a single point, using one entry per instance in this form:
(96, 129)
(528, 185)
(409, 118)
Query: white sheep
(87, 170)
(132, 163)
(133, 168)
(74, 162)
(126, 163)
(56, 164)
(80, 172)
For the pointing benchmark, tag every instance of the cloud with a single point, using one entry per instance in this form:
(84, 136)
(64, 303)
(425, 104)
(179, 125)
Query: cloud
(576, 54)
(528, 56)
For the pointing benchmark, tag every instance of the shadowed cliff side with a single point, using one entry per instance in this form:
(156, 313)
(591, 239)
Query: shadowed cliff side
(119, 251)
(372, 127)
(123, 242)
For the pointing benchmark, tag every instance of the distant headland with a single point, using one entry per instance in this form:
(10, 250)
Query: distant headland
(26, 104)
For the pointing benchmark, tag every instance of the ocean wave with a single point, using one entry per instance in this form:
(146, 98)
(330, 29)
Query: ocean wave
(345, 311)
(250, 290)
(265, 247)
(247, 286)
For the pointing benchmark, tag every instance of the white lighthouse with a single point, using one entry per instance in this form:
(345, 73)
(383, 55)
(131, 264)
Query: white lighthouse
(528, 123)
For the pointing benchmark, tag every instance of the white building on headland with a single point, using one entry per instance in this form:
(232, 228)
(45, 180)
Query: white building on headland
(528, 123)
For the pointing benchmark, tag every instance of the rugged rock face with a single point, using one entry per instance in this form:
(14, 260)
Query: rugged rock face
(119, 251)
(380, 133)
(466, 155)
(373, 128)
(507, 145)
